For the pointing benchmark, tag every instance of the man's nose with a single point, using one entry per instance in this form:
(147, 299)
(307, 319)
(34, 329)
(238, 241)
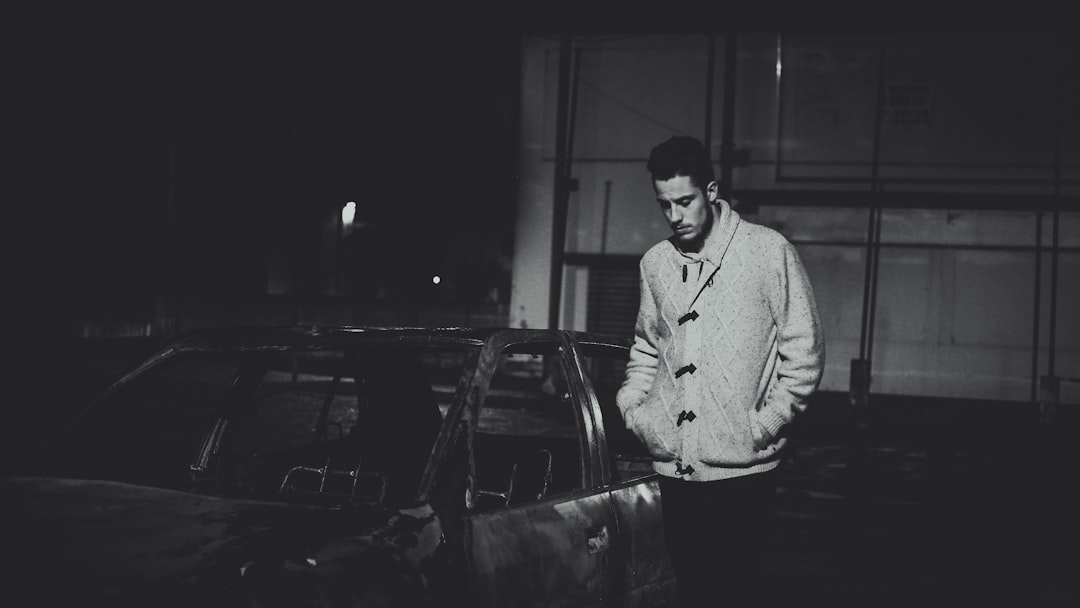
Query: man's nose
(673, 216)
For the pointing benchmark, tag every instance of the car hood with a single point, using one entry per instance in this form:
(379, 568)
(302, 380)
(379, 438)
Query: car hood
(72, 539)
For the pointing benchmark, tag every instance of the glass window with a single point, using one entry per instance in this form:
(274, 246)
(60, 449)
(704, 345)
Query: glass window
(307, 426)
(287, 406)
(359, 425)
(149, 430)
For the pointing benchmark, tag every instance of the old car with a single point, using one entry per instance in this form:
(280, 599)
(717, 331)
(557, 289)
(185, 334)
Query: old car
(344, 466)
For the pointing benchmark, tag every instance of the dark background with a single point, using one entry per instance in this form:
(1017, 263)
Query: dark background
(158, 154)
(165, 151)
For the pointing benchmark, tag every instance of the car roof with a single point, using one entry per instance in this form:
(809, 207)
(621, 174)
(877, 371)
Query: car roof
(284, 338)
(319, 337)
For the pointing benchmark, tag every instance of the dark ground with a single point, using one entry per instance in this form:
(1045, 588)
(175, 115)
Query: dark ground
(930, 504)
(919, 502)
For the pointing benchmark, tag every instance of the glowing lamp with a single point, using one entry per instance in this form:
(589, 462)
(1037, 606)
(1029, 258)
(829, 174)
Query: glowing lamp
(348, 213)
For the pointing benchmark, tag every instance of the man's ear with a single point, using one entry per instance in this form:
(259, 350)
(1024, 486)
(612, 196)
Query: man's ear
(712, 192)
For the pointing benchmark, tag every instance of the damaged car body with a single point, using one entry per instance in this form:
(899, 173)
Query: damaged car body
(347, 466)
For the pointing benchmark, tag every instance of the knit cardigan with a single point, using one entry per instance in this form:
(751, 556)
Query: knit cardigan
(727, 350)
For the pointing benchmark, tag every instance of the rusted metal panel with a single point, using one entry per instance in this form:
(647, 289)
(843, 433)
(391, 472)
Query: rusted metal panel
(553, 553)
(637, 506)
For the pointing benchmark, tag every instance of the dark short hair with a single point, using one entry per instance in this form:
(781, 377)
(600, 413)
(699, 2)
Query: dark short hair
(681, 155)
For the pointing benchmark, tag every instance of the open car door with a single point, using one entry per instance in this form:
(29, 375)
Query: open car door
(541, 527)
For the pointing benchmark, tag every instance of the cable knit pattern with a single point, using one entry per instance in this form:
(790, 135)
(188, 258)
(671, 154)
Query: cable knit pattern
(709, 396)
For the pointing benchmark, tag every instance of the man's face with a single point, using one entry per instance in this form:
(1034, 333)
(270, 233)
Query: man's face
(688, 209)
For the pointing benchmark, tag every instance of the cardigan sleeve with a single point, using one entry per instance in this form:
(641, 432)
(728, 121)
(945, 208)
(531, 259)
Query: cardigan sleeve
(800, 342)
(641, 369)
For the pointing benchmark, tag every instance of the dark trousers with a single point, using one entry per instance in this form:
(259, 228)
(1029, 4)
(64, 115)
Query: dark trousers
(718, 535)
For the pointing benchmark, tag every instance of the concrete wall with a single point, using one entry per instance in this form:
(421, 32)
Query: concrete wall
(956, 295)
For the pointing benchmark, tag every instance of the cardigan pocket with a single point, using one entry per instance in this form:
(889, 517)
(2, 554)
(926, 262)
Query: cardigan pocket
(769, 448)
(654, 429)
(757, 432)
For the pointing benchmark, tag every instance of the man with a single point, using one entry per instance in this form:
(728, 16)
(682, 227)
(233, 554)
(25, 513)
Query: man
(727, 350)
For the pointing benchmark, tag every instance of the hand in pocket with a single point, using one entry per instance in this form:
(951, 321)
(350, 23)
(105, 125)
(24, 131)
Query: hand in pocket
(647, 428)
(758, 434)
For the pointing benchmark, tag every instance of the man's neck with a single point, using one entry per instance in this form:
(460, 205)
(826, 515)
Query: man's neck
(692, 248)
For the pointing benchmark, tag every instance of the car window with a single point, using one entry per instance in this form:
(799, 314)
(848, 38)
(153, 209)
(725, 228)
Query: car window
(359, 426)
(149, 429)
(528, 441)
(606, 368)
(287, 406)
(275, 425)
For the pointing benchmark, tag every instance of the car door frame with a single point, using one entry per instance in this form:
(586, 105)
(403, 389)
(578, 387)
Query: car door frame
(588, 512)
(644, 576)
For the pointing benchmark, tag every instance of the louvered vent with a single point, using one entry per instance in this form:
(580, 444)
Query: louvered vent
(613, 300)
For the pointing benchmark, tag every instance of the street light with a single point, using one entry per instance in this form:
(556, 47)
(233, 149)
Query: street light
(345, 222)
(348, 213)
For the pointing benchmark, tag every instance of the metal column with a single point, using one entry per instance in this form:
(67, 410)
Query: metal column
(561, 194)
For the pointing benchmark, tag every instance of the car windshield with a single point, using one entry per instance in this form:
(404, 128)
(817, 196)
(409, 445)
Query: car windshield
(315, 425)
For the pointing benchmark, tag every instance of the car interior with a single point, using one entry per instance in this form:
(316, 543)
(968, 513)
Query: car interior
(527, 444)
(337, 427)
(355, 428)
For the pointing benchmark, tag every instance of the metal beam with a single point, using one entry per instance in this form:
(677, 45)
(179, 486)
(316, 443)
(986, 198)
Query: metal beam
(727, 149)
(561, 200)
(861, 199)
